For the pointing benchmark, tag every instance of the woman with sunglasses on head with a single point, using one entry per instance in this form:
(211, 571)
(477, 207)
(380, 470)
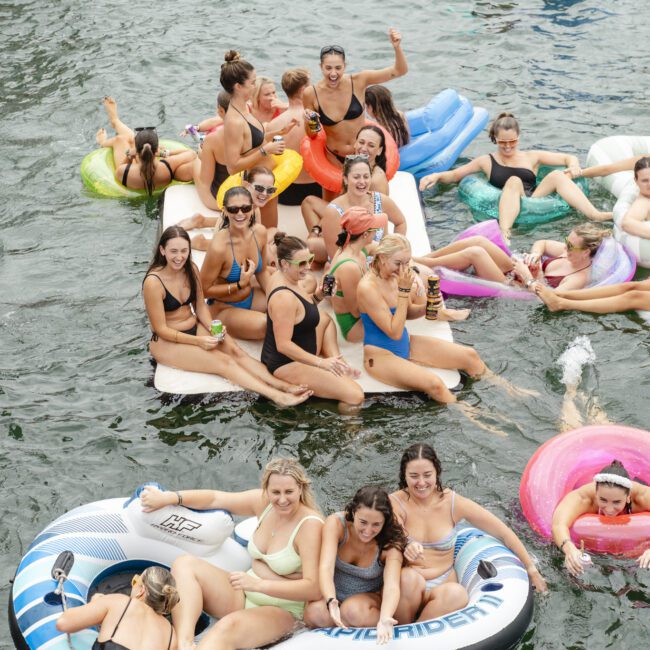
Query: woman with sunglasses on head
(429, 511)
(139, 165)
(263, 604)
(338, 98)
(180, 321)
(134, 621)
(300, 343)
(360, 566)
(515, 172)
(236, 255)
(380, 107)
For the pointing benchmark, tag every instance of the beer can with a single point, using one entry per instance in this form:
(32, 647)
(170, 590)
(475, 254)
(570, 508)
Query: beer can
(216, 329)
(193, 131)
(277, 138)
(313, 122)
(328, 285)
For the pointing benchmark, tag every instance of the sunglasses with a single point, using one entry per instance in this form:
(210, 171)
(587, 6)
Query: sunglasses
(332, 49)
(261, 189)
(504, 143)
(144, 128)
(572, 247)
(234, 209)
(373, 230)
(301, 264)
(357, 156)
(135, 579)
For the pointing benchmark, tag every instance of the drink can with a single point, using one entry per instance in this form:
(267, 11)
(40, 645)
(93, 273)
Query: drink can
(216, 329)
(434, 299)
(277, 138)
(313, 122)
(193, 131)
(585, 558)
(328, 285)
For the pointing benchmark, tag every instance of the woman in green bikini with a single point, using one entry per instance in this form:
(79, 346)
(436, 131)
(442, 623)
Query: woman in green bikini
(262, 605)
(348, 266)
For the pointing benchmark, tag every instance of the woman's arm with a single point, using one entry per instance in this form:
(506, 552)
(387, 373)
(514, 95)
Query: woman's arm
(634, 221)
(390, 595)
(236, 161)
(246, 504)
(557, 159)
(575, 503)
(480, 164)
(332, 535)
(210, 272)
(209, 123)
(395, 215)
(89, 615)
(206, 174)
(548, 247)
(398, 69)
(379, 182)
(605, 170)
(491, 524)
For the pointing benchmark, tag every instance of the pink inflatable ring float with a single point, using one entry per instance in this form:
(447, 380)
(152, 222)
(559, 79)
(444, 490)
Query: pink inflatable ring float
(570, 460)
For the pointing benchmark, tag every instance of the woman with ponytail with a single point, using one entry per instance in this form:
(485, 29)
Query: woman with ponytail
(515, 172)
(139, 164)
(611, 493)
(135, 621)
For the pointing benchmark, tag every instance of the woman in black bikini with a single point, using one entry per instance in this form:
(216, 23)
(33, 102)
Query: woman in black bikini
(339, 104)
(300, 343)
(136, 621)
(138, 163)
(180, 321)
(515, 172)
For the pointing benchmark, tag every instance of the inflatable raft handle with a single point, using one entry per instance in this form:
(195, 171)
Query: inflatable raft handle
(486, 569)
(61, 567)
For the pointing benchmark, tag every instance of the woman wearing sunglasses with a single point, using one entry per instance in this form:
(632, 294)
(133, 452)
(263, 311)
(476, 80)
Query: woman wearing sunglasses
(300, 343)
(180, 321)
(139, 165)
(135, 621)
(339, 98)
(515, 172)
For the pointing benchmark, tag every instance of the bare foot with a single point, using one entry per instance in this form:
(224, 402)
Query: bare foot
(510, 388)
(100, 137)
(289, 399)
(111, 109)
(200, 243)
(453, 314)
(295, 389)
(548, 296)
(474, 415)
(195, 221)
(354, 373)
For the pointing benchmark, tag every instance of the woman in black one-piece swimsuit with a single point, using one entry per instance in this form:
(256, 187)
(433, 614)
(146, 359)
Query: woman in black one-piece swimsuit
(515, 172)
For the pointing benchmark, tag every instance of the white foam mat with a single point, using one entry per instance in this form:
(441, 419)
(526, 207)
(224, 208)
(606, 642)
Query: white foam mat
(182, 201)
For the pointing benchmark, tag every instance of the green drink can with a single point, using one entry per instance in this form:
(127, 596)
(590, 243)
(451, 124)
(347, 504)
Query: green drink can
(216, 329)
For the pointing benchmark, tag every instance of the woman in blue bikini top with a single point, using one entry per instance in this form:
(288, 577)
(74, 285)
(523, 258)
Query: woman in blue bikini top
(430, 514)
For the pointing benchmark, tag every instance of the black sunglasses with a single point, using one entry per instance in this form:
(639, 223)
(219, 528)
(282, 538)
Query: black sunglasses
(234, 209)
(261, 189)
(144, 128)
(332, 49)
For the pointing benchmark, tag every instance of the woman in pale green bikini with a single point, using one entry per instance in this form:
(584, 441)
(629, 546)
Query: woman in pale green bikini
(260, 606)
(348, 266)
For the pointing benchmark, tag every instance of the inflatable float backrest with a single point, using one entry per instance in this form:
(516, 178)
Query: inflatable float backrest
(199, 532)
(611, 264)
(432, 116)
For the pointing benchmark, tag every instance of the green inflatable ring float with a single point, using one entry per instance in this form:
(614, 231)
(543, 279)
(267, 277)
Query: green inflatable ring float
(483, 200)
(98, 173)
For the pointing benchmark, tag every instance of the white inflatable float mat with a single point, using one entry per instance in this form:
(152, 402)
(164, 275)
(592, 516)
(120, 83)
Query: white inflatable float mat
(183, 201)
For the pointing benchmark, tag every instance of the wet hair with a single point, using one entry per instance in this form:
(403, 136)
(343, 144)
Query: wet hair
(503, 122)
(259, 82)
(234, 71)
(381, 158)
(293, 80)
(146, 144)
(223, 100)
(292, 468)
(160, 589)
(415, 452)
(389, 245)
(347, 166)
(287, 245)
(616, 468)
(238, 190)
(252, 173)
(592, 236)
(391, 534)
(159, 261)
(345, 236)
(380, 100)
(641, 163)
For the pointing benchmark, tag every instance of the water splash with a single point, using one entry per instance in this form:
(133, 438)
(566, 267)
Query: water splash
(574, 359)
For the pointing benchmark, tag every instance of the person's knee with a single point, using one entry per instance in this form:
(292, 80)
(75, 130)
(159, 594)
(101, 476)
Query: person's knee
(356, 614)
(355, 394)
(453, 595)
(476, 253)
(436, 388)
(411, 583)
(315, 615)
(183, 566)
(473, 363)
(228, 627)
(514, 183)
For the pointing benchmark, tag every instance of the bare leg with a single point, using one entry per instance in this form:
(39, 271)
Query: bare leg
(484, 264)
(316, 615)
(558, 181)
(510, 205)
(437, 353)
(498, 256)
(244, 324)
(411, 591)
(448, 597)
(607, 291)
(634, 298)
(111, 111)
(361, 610)
(198, 220)
(312, 208)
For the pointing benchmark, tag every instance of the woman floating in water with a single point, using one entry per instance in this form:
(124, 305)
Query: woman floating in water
(515, 172)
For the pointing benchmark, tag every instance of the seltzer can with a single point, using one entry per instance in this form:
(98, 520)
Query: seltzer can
(216, 330)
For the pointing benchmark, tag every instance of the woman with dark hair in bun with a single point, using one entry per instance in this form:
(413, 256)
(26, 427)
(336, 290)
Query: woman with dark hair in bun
(360, 566)
(139, 164)
(300, 343)
(611, 493)
(430, 514)
(180, 322)
(515, 172)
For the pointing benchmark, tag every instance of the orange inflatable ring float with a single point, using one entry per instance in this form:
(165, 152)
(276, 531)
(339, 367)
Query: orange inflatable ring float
(328, 175)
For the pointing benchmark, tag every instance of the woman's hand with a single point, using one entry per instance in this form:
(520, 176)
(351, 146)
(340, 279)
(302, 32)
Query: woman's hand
(151, 498)
(573, 170)
(336, 365)
(429, 181)
(405, 279)
(644, 560)
(248, 271)
(243, 581)
(413, 551)
(573, 560)
(395, 37)
(275, 148)
(385, 630)
(207, 342)
(335, 612)
(537, 580)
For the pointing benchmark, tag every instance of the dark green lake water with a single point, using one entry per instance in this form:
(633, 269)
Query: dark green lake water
(79, 418)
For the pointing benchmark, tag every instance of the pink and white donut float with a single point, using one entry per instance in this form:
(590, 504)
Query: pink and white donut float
(569, 461)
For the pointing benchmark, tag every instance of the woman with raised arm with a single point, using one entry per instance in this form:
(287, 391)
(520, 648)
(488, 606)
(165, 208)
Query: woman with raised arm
(135, 621)
(380, 107)
(262, 605)
(430, 514)
(139, 164)
(180, 321)
(515, 172)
